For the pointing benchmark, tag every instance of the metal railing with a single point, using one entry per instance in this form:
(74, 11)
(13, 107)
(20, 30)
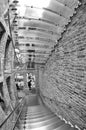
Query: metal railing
(17, 119)
(5, 122)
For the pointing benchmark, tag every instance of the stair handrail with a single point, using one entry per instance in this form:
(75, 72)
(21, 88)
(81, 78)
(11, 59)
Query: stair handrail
(11, 113)
(18, 118)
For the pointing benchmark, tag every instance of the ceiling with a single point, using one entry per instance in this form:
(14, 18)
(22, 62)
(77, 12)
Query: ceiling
(38, 26)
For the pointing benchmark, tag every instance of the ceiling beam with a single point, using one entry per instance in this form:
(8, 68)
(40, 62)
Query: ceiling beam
(36, 23)
(39, 45)
(36, 40)
(48, 10)
(35, 29)
(41, 19)
(70, 4)
(36, 51)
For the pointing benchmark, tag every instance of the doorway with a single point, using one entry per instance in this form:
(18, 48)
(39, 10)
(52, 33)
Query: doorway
(31, 82)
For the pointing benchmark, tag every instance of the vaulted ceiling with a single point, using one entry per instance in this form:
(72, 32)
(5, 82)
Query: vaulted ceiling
(38, 26)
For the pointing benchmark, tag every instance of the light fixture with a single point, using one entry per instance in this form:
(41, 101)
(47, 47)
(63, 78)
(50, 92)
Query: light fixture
(16, 50)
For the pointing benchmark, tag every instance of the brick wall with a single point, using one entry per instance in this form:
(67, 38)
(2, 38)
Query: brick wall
(64, 82)
(9, 65)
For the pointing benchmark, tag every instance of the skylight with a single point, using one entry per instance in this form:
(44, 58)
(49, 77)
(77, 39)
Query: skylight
(35, 3)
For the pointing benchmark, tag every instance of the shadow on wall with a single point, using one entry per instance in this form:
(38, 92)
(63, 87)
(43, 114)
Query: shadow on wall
(9, 86)
(2, 100)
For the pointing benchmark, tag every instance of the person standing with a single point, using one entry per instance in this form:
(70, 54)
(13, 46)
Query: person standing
(29, 84)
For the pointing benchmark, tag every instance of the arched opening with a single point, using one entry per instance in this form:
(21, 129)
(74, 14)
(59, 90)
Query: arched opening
(19, 83)
(31, 82)
(9, 86)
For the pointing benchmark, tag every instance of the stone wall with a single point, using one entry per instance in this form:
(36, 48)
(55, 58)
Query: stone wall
(9, 60)
(64, 83)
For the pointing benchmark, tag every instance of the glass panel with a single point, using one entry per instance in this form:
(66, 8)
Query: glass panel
(35, 3)
(39, 34)
(40, 24)
(60, 9)
(70, 3)
(35, 39)
(46, 15)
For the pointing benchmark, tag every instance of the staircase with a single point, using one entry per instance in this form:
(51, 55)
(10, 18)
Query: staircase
(36, 116)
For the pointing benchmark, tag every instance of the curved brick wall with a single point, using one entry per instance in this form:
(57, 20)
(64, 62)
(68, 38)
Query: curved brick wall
(65, 73)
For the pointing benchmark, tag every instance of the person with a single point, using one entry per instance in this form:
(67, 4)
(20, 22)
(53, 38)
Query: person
(29, 84)
(17, 86)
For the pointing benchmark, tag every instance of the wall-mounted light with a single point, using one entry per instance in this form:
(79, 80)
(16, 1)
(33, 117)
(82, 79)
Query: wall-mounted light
(17, 50)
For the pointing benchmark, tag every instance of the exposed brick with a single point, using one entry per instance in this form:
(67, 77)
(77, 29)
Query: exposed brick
(65, 73)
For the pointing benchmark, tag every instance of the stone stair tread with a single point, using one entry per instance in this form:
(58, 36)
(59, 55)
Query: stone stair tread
(36, 116)
(39, 119)
(32, 113)
(50, 126)
(41, 123)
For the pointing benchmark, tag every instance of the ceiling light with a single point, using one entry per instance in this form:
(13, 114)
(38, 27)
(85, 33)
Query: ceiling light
(16, 50)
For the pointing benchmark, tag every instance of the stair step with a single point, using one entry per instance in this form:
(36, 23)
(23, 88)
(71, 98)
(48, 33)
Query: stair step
(41, 123)
(36, 116)
(40, 112)
(39, 119)
(65, 127)
(51, 126)
(36, 109)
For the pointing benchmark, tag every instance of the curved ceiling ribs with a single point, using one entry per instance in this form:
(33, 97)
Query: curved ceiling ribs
(37, 28)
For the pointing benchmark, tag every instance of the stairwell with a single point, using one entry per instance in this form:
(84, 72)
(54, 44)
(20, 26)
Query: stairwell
(36, 116)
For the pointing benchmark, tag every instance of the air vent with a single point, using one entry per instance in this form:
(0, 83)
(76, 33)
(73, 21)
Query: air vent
(15, 32)
(15, 1)
(31, 51)
(32, 28)
(21, 37)
(33, 44)
(27, 44)
(22, 28)
(15, 14)
(30, 55)
(14, 9)
(14, 21)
